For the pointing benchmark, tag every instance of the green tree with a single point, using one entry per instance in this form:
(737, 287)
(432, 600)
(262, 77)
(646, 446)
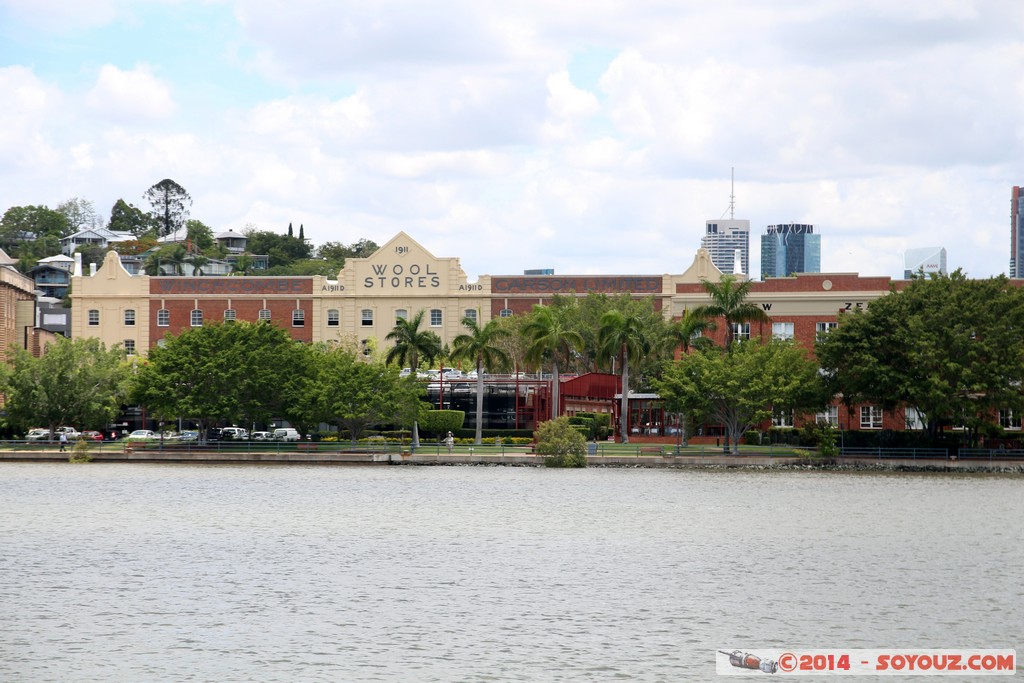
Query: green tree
(200, 236)
(359, 395)
(561, 444)
(23, 228)
(281, 249)
(479, 346)
(300, 391)
(729, 301)
(170, 204)
(742, 388)
(76, 382)
(945, 345)
(550, 338)
(410, 343)
(218, 372)
(686, 334)
(623, 336)
(125, 217)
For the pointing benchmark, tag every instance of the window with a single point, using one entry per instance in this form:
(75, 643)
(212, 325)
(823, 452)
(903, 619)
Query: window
(298, 318)
(163, 318)
(470, 314)
(94, 317)
(825, 328)
(740, 331)
(505, 313)
(333, 319)
(435, 317)
(401, 314)
(1007, 420)
(782, 330)
(870, 417)
(129, 317)
(129, 346)
(367, 317)
(782, 418)
(830, 415)
(229, 315)
(264, 314)
(912, 418)
(196, 318)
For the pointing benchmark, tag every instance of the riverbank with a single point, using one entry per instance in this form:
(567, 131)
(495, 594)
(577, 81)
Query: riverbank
(763, 461)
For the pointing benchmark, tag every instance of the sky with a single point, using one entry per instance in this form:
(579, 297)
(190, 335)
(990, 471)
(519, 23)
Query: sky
(587, 137)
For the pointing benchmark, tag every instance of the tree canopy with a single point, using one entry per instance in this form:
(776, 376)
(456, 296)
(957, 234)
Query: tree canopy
(742, 388)
(76, 382)
(945, 345)
(170, 202)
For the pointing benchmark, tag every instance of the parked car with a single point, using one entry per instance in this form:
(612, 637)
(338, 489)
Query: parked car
(92, 435)
(38, 435)
(234, 434)
(286, 434)
(189, 435)
(142, 435)
(71, 432)
(262, 436)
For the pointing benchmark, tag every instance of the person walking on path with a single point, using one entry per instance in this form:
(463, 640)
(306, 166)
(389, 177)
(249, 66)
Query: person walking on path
(63, 441)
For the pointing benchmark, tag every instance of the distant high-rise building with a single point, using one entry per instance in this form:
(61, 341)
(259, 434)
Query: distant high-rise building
(1017, 232)
(723, 238)
(924, 259)
(790, 248)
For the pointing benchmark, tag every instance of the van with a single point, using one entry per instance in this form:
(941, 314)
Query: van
(286, 434)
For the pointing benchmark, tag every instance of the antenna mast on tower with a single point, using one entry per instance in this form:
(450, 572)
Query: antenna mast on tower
(732, 194)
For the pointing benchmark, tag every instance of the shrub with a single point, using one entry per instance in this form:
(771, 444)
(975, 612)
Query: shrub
(561, 444)
(80, 452)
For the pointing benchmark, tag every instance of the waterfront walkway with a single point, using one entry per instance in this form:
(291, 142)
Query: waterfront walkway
(610, 455)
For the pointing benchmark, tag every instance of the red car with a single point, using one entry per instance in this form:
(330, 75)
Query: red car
(92, 436)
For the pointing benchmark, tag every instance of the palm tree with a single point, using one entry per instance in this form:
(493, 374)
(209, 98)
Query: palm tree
(688, 333)
(412, 343)
(622, 335)
(197, 261)
(479, 345)
(550, 337)
(728, 300)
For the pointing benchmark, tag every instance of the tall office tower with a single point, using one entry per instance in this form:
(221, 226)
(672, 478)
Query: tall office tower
(1017, 232)
(924, 259)
(790, 248)
(722, 239)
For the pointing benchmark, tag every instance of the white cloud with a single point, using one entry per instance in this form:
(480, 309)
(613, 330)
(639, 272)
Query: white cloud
(130, 96)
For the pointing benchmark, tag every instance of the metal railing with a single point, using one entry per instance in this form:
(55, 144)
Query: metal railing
(883, 452)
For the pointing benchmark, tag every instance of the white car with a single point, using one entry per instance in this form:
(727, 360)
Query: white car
(286, 434)
(142, 435)
(38, 435)
(262, 436)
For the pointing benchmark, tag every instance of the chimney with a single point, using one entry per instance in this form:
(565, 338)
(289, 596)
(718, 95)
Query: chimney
(78, 265)
(737, 266)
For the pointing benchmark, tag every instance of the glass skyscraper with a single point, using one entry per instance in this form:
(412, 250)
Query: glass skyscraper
(790, 248)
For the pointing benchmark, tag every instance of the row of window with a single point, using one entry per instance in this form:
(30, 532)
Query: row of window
(871, 418)
(163, 317)
(779, 330)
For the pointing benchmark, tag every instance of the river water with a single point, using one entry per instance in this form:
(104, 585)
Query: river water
(221, 573)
